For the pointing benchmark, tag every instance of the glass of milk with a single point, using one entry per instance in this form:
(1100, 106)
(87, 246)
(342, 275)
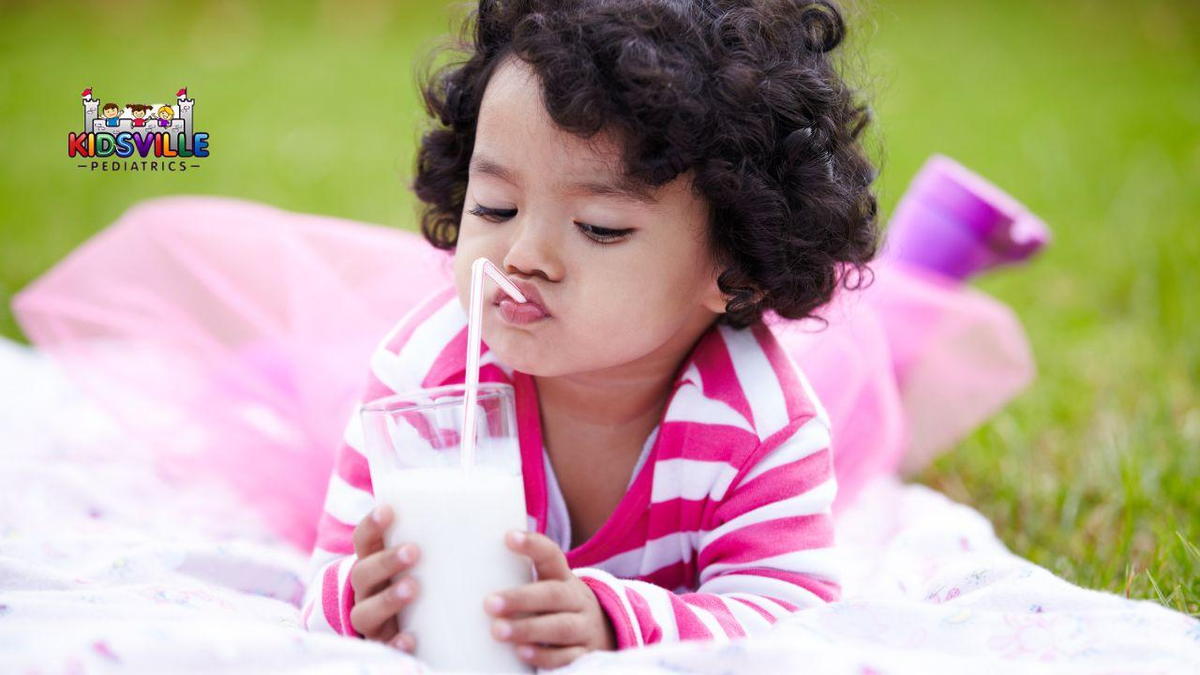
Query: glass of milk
(458, 518)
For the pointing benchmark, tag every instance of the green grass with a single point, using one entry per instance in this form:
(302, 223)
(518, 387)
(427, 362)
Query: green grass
(1088, 111)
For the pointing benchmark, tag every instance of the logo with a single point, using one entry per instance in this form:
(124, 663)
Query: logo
(137, 136)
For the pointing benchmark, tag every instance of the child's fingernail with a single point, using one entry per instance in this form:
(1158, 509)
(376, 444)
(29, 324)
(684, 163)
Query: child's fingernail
(518, 537)
(377, 515)
(503, 629)
(494, 603)
(525, 652)
(405, 554)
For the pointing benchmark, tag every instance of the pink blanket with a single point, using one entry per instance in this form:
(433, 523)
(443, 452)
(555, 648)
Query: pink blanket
(247, 329)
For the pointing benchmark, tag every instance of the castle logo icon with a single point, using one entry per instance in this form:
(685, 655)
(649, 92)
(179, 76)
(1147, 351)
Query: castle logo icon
(138, 136)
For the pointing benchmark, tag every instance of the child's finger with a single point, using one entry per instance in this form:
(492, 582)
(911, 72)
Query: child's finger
(559, 628)
(389, 630)
(549, 657)
(540, 596)
(405, 642)
(367, 574)
(368, 534)
(548, 559)
(369, 616)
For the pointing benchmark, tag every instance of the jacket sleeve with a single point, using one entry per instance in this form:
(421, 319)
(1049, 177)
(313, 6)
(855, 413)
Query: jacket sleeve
(329, 596)
(765, 551)
(394, 366)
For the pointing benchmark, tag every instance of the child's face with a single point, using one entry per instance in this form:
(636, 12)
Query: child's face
(139, 113)
(111, 112)
(639, 301)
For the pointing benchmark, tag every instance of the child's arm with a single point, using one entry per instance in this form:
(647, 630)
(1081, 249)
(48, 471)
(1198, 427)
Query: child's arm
(766, 551)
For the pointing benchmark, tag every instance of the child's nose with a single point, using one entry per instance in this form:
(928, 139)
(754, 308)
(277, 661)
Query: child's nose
(534, 248)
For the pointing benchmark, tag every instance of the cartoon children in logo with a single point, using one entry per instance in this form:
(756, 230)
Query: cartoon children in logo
(112, 114)
(139, 113)
(164, 116)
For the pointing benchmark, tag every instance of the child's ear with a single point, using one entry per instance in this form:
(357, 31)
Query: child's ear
(713, 299)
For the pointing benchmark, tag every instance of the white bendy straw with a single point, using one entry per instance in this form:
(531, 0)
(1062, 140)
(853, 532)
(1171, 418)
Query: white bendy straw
(479, 268)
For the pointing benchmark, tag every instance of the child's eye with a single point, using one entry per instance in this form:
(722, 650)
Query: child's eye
(600, 234)
(492, 214)
(597, 234)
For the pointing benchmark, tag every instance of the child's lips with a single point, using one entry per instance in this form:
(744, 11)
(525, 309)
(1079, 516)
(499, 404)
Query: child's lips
(533, 297)
(520, 313)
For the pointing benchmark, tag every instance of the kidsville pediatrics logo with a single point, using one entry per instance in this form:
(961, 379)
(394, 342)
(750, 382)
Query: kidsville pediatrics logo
(137, 136)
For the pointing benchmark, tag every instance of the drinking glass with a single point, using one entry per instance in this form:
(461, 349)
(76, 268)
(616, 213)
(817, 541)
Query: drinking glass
(457, 517)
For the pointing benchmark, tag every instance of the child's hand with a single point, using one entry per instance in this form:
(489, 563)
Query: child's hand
(375, 601)
(557, 618)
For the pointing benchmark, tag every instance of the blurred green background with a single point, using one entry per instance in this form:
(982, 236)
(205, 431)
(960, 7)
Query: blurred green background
(1087, 111)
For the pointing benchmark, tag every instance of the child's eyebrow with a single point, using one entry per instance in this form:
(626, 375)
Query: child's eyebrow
(624, 189)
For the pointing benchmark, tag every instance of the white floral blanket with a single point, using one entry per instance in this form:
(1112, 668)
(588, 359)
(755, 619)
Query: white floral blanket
(103, 569)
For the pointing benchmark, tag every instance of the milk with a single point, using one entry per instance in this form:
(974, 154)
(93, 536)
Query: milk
(458, 519)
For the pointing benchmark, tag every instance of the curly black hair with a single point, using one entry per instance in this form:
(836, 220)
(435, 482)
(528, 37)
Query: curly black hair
(743, 93)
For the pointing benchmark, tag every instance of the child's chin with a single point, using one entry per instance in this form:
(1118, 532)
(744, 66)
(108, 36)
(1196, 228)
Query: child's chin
(519, 355)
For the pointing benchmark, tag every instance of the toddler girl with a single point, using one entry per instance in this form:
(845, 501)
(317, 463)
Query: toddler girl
(655, 175)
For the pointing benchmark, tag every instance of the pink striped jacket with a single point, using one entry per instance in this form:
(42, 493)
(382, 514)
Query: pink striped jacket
(725, 527)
